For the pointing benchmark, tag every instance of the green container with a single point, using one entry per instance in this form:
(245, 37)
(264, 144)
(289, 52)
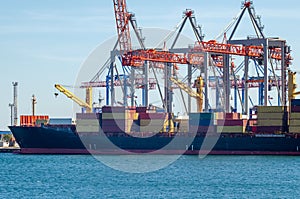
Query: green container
(271, 109)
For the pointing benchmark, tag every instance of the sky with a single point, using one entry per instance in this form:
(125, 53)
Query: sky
(46, 42)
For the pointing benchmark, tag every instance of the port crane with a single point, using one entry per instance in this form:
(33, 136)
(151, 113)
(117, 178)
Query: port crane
(87, 104)
(218, 51)
(198, 95)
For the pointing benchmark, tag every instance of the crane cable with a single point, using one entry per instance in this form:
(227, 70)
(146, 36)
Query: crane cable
(227, 28)
(170, 34)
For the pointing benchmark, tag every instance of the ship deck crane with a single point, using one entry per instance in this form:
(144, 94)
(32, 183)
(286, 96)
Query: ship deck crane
(88, 104)
(196, 94)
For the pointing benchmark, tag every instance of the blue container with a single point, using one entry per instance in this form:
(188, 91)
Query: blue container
(201, 122)
(201, 116)
(60, 121)
(295, 102)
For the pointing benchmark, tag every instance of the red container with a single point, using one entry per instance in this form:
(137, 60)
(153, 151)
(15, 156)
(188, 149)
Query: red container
(113, 129)
(88, 115)
(233, 116)
(268, 129)
(161, 116)
(113, 109)
(232, 122)
(295, 109)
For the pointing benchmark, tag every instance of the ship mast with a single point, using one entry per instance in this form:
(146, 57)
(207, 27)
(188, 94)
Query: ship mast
(33, 104)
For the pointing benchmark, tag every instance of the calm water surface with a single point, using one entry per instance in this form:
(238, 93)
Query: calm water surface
(67, 176)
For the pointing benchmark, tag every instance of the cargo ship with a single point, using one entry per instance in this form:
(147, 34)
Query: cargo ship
(117, 130)
(133, 129)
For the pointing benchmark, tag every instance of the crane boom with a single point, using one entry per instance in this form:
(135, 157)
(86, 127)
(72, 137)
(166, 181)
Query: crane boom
(122, 20)
(198, 95)
(72, 96)
(185, 88)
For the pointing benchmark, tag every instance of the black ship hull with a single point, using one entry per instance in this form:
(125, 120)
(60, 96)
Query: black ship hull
(65, 140)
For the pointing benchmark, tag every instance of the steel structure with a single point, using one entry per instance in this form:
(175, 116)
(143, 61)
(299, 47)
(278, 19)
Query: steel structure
(201, 55)
(269, 48)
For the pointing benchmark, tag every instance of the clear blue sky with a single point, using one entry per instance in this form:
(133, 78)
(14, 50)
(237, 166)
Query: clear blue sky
(45, 42)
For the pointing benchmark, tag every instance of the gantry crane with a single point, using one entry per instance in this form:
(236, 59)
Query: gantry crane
(88, 104)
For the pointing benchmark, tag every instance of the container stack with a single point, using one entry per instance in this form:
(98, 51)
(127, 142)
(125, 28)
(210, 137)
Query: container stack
(151, 122)
(114, 119)
(294, 121)
(231, 123)
(135, 124)
(88, 122)
(271, 119)
(130, 116)
(30, 120)
(201, 122)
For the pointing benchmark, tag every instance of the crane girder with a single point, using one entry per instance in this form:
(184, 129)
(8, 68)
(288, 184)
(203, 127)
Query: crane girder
(136, 58)
(232, 49)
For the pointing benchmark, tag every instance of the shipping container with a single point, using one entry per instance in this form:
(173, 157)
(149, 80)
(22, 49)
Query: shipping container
(294, 115)
(60, 121)
(87, 129)
(232, 122)
(233, 116)
(161, 116)
(201, 122)
(271, 109)
(30, 120)
(113, 109)
(88, 115)
(263, 115)
(270, 122)
(113, 129)
(109, 123)
(295, 102)
(295, 109)
(294, 122)
(231, 129)
(151, 122)
(88, 122)
(201, 116)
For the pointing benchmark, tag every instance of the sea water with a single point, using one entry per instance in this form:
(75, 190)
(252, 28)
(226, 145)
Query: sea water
(83, 176)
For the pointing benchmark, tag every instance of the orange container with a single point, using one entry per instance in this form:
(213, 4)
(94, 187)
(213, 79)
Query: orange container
(29, 120)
